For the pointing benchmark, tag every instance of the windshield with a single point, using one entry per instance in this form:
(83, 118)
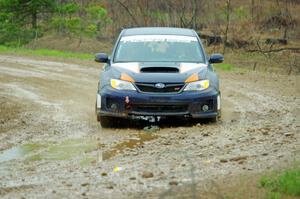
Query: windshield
(158, 48)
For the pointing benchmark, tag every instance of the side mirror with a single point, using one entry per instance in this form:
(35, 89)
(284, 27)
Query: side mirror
(101, 57)
(216, 58)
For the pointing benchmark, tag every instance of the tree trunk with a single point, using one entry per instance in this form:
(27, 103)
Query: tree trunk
(285, 30)
(227, 24)
(136, 23)
(34, 19)
(252, 11)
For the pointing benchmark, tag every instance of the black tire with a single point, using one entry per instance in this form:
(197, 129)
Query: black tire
(219, 114)
(213, 120)
(107, 122)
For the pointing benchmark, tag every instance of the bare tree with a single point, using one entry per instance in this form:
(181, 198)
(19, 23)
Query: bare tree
(227, 12)
(129, 12)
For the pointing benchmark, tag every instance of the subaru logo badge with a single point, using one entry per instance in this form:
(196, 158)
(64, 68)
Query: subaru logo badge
(160, 85)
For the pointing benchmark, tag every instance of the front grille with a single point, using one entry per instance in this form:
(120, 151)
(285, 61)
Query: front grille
(159, 108)
(169, 87)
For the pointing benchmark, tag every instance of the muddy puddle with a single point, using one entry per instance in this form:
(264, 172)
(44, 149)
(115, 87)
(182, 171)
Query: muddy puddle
(49, 151)
(128, 144)
(17, 152)
(70, 149)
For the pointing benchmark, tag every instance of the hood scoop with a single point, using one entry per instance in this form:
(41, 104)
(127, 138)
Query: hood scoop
(159, 70)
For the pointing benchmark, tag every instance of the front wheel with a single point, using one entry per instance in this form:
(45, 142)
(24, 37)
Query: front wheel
(106, 122)
(215, 119)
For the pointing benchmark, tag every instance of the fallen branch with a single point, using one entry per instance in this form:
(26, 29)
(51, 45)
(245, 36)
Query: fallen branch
(273, 50)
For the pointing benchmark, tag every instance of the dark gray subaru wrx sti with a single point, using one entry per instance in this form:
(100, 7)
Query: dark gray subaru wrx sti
(157, 72)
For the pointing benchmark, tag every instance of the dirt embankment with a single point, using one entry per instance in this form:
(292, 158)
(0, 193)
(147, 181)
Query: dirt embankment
(51, 145)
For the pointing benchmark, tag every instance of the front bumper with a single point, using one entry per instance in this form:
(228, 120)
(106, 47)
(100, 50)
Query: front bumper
(128, 104)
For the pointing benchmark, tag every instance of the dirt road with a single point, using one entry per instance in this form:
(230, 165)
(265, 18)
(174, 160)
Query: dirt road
(52, 147)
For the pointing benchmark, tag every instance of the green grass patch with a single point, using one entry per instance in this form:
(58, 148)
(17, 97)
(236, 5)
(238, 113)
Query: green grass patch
(45, 52)
(224, 67)
(287, 182)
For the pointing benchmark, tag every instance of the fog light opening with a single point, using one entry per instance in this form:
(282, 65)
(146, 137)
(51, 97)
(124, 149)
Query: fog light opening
(113, 107)
(205, 108)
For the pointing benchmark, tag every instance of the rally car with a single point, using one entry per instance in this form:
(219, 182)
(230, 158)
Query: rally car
(155, 73)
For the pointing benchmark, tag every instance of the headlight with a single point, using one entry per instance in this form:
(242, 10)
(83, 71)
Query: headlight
(197, 86)
(121, 85)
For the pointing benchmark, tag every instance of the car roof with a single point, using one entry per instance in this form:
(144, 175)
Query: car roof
(158, 31)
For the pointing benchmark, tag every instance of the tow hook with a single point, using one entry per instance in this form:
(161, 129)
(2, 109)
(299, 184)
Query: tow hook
(127, 103)
(127, 100)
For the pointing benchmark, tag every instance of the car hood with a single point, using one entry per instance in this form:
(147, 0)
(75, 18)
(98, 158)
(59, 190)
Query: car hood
(153, 72)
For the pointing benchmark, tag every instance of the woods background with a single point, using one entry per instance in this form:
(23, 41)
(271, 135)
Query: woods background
(263, 26)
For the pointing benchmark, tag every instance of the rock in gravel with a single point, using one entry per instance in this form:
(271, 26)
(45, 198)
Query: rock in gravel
(103, 174)
(241, 162)
(173, 183)
(132, 178)
(223, 160)
(205, 134)
(110, 187)
(288, 134)
(151, 129)
(264, 154)
(85, 184)
(166, 142)
(238, 158)
(147, 174)
(265, 130)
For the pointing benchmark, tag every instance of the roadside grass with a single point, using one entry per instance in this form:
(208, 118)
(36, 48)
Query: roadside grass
(225, 67)
(45, 52)
(284, 183)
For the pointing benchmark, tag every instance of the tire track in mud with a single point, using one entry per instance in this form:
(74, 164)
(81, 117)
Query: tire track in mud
(47, 116)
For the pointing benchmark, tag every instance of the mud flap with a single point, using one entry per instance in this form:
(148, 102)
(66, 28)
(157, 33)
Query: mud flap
(219, 105)
(98, 101)
(98, 106)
